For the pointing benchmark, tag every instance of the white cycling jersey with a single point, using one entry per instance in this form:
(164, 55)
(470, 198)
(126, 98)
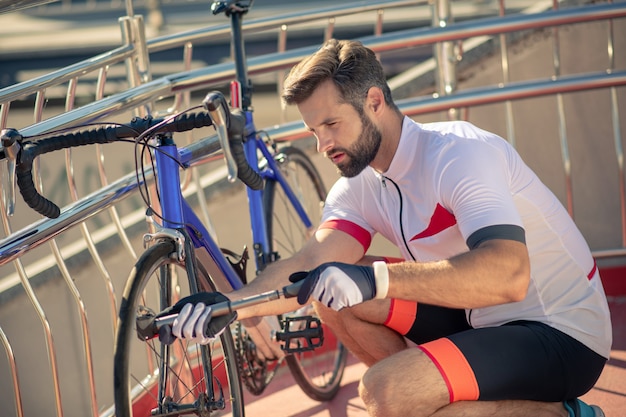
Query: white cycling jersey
(451, 184)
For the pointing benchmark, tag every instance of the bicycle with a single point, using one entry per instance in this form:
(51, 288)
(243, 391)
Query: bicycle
(283, 186)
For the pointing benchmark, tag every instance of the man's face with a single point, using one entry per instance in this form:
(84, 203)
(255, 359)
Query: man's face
(348, 138)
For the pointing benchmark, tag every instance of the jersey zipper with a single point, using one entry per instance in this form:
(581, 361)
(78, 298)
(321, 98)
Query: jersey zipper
(406, 245)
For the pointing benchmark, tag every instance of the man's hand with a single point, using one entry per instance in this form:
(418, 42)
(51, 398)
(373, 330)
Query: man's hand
(338, 285)
(195, 322)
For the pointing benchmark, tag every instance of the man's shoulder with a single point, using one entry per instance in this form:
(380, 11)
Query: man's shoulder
(449, 126)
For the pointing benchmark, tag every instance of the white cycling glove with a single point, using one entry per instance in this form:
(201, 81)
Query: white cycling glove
(195, 321)
(338, 285)
(191, 322)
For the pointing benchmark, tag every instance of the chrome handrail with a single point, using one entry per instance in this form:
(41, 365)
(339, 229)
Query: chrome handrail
(214, 33)
(26, 88)
(15, 245)
(214, 75)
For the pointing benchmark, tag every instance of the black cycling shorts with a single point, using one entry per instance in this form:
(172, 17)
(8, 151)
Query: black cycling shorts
(521, 360)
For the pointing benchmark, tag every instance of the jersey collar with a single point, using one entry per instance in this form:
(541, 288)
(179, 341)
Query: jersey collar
(404, 156)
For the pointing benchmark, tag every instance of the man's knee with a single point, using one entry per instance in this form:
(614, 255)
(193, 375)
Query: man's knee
(406, 383)
(381, 393)
(373, 389)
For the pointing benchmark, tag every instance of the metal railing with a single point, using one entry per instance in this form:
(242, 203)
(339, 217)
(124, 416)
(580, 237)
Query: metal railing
(30, 296)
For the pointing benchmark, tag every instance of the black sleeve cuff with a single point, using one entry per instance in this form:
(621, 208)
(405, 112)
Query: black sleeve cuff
(500, 231)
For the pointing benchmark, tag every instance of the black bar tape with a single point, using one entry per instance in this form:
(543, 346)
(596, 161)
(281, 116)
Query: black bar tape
(32, 197)
(185, 122)
(235, 139)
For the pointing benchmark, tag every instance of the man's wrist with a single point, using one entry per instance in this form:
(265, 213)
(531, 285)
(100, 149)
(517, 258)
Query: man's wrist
(381, 277)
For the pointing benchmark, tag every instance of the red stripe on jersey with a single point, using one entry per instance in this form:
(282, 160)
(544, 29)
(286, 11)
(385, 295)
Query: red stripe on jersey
(593, 271)
(439, 221)
(392, 260)
(363, 236)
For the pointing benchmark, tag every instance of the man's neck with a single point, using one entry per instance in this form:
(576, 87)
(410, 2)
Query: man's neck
(389, 145)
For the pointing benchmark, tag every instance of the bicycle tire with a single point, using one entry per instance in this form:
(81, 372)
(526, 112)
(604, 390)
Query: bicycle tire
(156, 276)
(318, 372)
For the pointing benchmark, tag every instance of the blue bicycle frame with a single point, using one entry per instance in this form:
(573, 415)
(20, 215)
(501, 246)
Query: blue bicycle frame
(176, 211)
(270, 172)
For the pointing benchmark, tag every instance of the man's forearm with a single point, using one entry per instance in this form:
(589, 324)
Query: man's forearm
(327, 245)
(498, 272)
(274, 277)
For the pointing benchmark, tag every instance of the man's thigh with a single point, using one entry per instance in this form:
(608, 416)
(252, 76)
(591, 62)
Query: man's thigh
(521, 360)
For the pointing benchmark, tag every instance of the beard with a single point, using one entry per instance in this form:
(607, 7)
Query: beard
(362, 151)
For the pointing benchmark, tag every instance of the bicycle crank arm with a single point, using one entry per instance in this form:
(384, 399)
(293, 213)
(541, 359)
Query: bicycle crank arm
(149, 326)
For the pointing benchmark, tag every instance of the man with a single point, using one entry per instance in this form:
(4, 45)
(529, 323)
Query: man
(497, 287)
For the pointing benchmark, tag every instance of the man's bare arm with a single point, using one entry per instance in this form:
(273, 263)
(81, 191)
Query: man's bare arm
(496, 272)
(327, 245)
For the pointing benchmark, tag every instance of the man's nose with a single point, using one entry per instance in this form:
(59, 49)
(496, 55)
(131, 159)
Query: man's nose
(324, 142)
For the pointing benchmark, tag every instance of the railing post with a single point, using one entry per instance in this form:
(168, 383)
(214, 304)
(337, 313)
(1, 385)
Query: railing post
(617, 133)
(444, 53)
(563, 138)
(13, 367)
(138, 65)
(506, 78)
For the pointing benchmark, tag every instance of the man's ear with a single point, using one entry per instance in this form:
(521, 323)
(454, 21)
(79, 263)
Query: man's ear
(375, 99)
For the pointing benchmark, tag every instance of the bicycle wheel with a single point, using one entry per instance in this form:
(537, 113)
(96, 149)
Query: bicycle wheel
(151, 378)
(317, 372)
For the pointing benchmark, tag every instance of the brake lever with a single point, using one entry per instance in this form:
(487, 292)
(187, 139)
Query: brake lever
(10, 144)
(215, 104)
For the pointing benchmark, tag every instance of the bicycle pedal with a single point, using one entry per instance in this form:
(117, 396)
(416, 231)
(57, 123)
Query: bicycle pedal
(305, 332)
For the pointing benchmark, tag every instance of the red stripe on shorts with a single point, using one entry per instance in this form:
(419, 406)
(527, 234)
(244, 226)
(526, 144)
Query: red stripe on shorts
(401, 315)
(454, 368)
